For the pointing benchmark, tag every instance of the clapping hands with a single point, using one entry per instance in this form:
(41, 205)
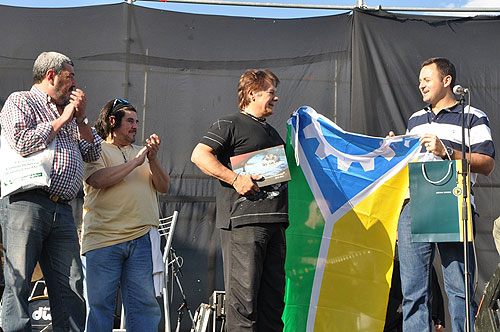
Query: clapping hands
(153, 145)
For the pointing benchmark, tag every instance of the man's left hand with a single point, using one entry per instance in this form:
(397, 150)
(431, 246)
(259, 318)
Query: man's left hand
(153, 145)
(433, 144)
(79, 101)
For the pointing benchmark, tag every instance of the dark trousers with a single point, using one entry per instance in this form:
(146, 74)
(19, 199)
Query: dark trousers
(254, 277)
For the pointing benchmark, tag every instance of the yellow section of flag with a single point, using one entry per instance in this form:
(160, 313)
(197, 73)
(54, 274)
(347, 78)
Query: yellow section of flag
(358, 269)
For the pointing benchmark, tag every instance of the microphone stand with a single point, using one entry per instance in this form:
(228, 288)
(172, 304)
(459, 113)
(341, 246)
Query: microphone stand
(184, 305)
(465, 218)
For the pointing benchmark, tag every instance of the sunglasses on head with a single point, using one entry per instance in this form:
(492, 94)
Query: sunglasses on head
(118, 102)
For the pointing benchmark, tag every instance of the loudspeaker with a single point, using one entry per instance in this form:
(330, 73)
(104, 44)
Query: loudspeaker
(39, 308)
(488, 315)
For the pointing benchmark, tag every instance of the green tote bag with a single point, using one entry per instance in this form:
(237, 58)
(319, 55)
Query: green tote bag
(436, 193)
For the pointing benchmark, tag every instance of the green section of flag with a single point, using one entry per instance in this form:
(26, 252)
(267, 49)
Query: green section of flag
(303, 242)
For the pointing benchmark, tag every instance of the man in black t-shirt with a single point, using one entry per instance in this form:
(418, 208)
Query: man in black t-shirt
(252, 219)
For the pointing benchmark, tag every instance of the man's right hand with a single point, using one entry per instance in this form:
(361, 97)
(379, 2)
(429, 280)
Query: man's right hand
(245, 184)
(75, 108)
(109, 176)
(68, 113)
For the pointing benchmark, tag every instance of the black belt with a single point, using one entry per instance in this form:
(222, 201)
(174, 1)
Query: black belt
(53, 198)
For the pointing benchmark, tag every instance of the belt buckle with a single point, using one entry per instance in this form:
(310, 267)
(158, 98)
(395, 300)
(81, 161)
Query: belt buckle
(54, 198)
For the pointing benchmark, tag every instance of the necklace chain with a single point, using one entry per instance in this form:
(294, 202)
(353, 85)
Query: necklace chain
(123, 154)
(260, 120)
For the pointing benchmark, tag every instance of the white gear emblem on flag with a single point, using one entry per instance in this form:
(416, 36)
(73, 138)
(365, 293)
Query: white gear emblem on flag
(344, 160)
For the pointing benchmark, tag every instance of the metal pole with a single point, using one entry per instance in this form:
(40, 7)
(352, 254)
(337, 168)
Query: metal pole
(257, 4)
(335, 92)
(128, 42)
(465, 219)
(360, 4)
(145, 98)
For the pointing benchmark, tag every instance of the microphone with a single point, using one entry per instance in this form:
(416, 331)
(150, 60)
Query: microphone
(460, 90)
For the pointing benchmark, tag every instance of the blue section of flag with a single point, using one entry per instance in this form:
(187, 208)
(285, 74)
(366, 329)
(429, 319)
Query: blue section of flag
(343, 163)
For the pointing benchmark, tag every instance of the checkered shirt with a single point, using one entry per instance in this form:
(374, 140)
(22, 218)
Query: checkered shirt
(26, 123)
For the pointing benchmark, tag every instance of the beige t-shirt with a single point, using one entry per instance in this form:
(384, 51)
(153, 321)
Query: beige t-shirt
(122, 212)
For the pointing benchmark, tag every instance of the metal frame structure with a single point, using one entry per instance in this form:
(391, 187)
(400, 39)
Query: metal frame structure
(166, 229)
(359, 4)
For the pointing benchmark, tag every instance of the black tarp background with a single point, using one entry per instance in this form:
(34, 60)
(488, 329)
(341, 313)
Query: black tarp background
(181, 71)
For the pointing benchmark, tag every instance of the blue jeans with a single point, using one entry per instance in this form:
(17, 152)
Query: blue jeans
(37, 229)
(415, 265)
(3, 216)
(129, 265)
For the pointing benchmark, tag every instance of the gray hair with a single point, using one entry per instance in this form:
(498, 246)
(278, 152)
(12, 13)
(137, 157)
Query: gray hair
(47, 61)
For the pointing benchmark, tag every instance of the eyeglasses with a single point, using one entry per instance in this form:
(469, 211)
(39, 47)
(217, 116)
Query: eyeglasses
(118, 102)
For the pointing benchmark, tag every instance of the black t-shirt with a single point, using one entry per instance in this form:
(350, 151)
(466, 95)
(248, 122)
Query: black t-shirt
(234, 135)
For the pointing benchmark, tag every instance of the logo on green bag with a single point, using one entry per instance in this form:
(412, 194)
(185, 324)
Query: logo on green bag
(457, 191)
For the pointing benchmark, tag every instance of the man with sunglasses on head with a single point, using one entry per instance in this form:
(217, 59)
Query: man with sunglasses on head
(120, 211)
(40, 225)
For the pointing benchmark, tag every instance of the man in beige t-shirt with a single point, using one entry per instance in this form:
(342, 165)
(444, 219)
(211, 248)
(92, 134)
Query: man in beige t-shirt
(119, 210)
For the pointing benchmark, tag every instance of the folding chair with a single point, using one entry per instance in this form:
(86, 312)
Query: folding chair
(166, 229)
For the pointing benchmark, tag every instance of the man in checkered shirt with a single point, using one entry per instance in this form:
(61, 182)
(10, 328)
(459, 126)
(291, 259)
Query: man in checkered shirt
(40, 225)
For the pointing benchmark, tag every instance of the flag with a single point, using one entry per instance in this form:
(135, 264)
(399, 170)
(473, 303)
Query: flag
(345, 197)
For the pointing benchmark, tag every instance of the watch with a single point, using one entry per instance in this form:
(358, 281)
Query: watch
(449, 152)
(84, 122)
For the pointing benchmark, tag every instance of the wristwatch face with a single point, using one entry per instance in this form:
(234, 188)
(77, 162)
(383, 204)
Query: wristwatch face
(449, 150)
(84, 122)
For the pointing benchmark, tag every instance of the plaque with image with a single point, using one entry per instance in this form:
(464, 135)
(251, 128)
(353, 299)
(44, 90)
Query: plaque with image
(270, 163)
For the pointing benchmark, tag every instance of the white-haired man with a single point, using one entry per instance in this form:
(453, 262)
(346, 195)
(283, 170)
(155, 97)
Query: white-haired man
(40, 225)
